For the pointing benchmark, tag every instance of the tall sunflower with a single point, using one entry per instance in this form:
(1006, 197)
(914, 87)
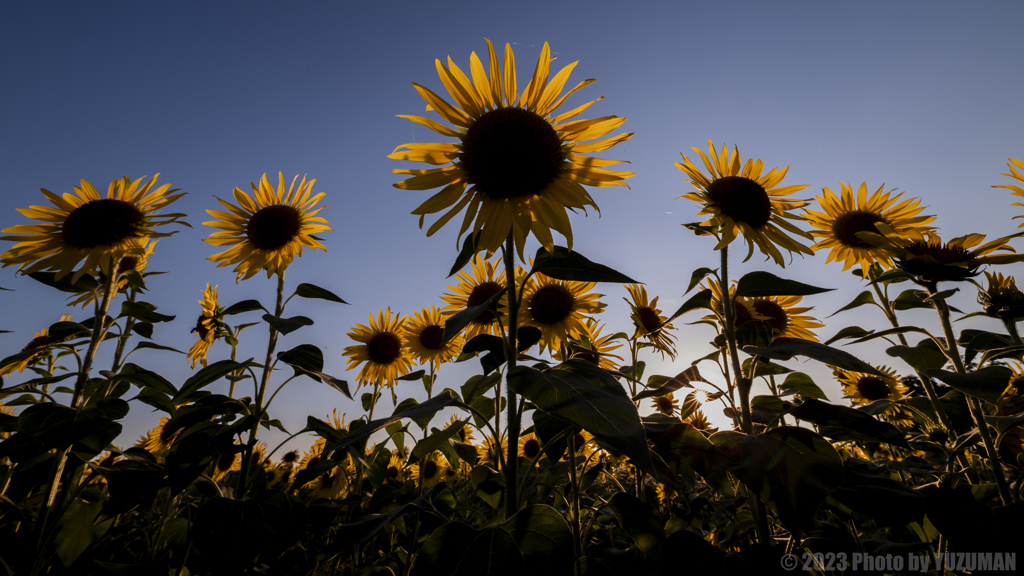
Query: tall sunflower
(209, 327)
(648, 321)
(1017, 190)
(864, 389)
(844, 217)
(38, 342)
(382, 348)
(268, 229)
(925, 255)
(516, 166)
(782, 313)
(424, 332)
(557, 307)
(84, 226)
(474, 290)
(135, 259)
(742, 201)
(665, 404)
(591, 346)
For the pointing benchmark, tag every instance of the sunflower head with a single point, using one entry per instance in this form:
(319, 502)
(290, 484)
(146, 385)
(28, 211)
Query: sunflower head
(1013, 164)
(474, 290)
(487, 452)
(740, 200)
(782, 313)
(516, 166)
(38, 342)
(209, 326)
(1001, 298)
(665, 404)
(465, 430)
(591, 346)
(381, 349)
(647, 320)
(424, 334)
(864, 388)
(556, 308)
(843, 218)
(529, 446)
(84, 226)
(267, 230)
(700, 422)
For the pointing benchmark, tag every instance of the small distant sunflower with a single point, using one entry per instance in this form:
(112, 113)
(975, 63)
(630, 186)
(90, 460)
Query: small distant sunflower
(1018, 176)
(396, 466)
(382, 348)
(267, 232)
(159, 439)
(926, 256)
(666, 404)
(487, 452)
(312, 456)
(474, 290)
(37, 342)
(465, 430)
(1001, 298)
(84, 226)
(428, 471)
(665, 493)
(864, 389)
(780, 312)
(741, 201)
(515, 167)
(700, 422)
(557, 307)
(209, 326)
(843, 218)
(135, 259)
(529, 446)
(600, 347)
(648, 321)
(424, 332)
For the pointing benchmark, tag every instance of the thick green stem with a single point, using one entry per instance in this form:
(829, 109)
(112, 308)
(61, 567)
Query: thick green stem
(512, 347)
(973, 403)
(574, 504)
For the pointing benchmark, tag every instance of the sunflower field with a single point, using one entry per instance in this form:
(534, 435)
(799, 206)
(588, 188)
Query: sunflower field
(562, 454)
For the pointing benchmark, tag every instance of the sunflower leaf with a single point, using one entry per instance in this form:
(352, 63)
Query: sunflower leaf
(646, 529)
(565, 264)
(680, 380)
(785, 348)
(925, 355)
(865, 297)
(848, 332)
(412, 376)
(698, 275)
(830, 415)
(767, 284)
(86, 283)
(243, 306)
(143, 311)
(893, 276)
(544, 538)
(469, 249)
(454, 325)
(314, 291)
(701, 299)
(891, 332)
(309, 360)
(63, 331)
(208, 375)
(801, 384)
(287, 325)
(987, 383)
(155, 346)
(436, 440)
(424, 409)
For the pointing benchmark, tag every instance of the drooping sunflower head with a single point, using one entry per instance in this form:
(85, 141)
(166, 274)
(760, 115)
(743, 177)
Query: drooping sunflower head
(268, 229)
(742, 201)
(424, 334)
(926, 256)
(135, 258)
(1001, 298)
(647, 320)
(84, 226)
(38, 342)
(843, 218)
(529, 446)
(209, 326)
(557, 307)
(465, 430)
(864, 389)
(474, 290)
(665, 404)
(516, 166)
(591, 346)
(382, 349)
(1019, 177)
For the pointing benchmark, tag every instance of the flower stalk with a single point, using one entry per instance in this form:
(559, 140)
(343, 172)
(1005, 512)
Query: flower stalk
(512, 347)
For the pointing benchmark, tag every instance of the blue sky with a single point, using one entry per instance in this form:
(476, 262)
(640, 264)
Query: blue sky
(925, 97)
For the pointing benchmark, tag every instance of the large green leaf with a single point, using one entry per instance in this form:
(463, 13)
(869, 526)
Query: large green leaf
(848, 332)
(208, 375)
(309, 360)
(453, 325)
(86, 283)
(680, 380)
(925, 355)
(287, 325)
(865, 297)
(469, 249)
(314, 291)
(144, 312)
(146, 379)
(543, 538)
(589, 397)
(830, 415)
(785, 348)
(243, 306)
(565, 264)
(802, 384)
(79, 530)
(767, 284)
(698, 275)
(424, 409)
(701, 299)
(987, 383)
(646, 529)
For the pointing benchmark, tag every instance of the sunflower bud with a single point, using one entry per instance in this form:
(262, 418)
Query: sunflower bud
(1002, 299)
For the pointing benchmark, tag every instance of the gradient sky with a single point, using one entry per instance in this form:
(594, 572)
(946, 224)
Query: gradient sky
(922, 96)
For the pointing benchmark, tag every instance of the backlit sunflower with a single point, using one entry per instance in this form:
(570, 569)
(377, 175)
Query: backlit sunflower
(465, 430)
(382, 348)
(39, 341)
(666, 404)
(268, 229)
(557, 308)
(864, 389)
(474, 290)
(487, 452)
(844, 217)
(926, 256)
(529, 446)
(700, 422)
(1001, 298)
(424, 332)
(135, 259)
(516, 166)
(84, 226)
(780, 312)
(209, 327)
(428, 471)
(743, 201)
(1017, 190)
(591, 346)
(648, 321)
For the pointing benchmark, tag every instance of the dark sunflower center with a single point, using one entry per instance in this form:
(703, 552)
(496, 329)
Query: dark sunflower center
(36, 342)
(665, 405)
(953, 263)
(101, 223)
(872, 388)
(432, 337)
(649, 318)
(481, 292)
(578, 441)
(777, 318)
(551, 304)
(225, 462)
(201, 329)
(531, 448)
(511, 152)
(313, 461)
(392, 472)
(846, 226)
(273, 227)
(429, 469)
(741, 199)
(592, 358)
(462, 434)
(384, 348)
(290, 457)
(944, 253)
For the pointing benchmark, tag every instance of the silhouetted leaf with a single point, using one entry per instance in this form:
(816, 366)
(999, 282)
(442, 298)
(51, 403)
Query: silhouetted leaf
(314, 291)
(469, 249)
(564, 264)
(646, 529)
(287, 325)
(986, 383)
(803, 385)
(865, 297)
(785, 348)
(680, 380)
(86, 283)
(848, 332)
(424, 409)
(144, 312)
(208, 375)
(454, 324)
(243, 306)
(701, 299)
(925, 355)
(824, 414)
(544, 539)
(698, 275)
(756, 284)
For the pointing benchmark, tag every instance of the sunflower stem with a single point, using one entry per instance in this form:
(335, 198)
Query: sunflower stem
(1011, 327)
(973, 403)
(512, 345)
(574, 506)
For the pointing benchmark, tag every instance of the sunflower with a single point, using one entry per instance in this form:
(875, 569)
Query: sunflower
(135, 259)
(465, 430)
(1017, 190)
(385, 352)
(600, 347)
(557, 307)
(83, 226)
(1001, 298)
(312, 456)
(424, 332)
(925, 255)
(474, 290)
(864, 388)
(780, 312)
(39, 341)
(487, 453)
(268, 232)
(395, 466)
(159, 439)
(429, 470)
(648, 321)
(529, 446)
(844, 218)
(700, 422)
(666, 404)
(516, 167)
(208, 327)
(742, 201)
